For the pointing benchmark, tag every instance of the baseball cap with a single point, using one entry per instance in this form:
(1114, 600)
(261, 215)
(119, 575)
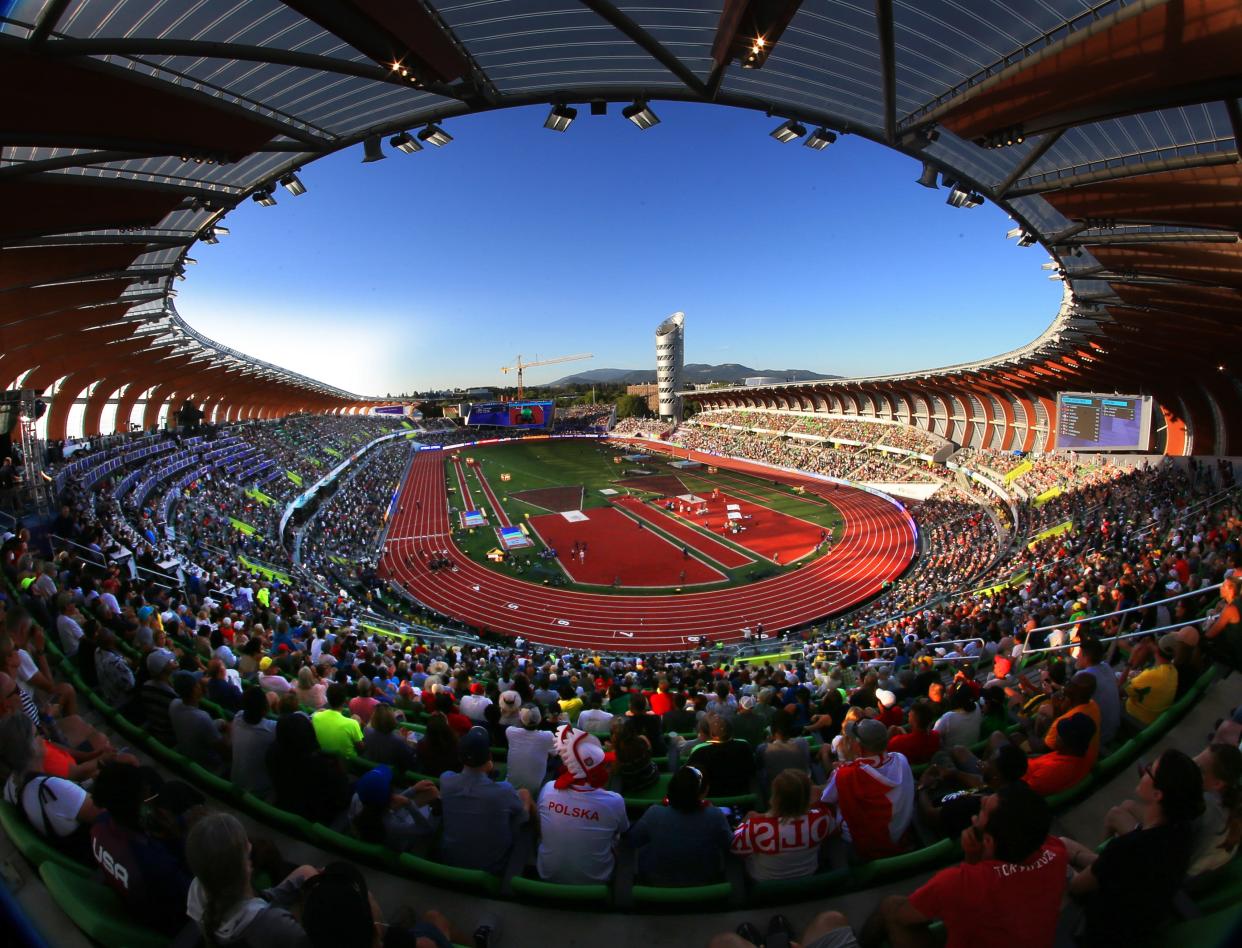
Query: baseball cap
(159, 661)
(530, 716)
(886, 698)
(144, 612)
(747, 702)
(1168, 644)
(475, 747)
(870, 733)
(265, 663)
(374, 788)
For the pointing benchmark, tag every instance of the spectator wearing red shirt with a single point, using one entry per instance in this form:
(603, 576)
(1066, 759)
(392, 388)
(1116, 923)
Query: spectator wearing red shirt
(1063, 768)
(1007, 891)
(921, 742)
(457, 722)
(890, 714)
(663, 699)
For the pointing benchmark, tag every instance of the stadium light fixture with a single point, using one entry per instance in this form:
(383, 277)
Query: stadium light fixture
(1027, 240)
(560, 118)
(190, 260)
(371, 150)
(928, 178)
(434, 135)
(264, 197)
(641, 115)
(209, 237)
(404, 142)
(293, 184)
(787, 132)
(957, 196)
(820, 139)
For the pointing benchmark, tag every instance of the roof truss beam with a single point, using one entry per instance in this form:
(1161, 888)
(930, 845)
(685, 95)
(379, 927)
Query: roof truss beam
(653, 47)
(1127, 171)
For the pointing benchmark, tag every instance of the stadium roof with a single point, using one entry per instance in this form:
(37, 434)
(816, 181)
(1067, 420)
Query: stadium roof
(132, 127)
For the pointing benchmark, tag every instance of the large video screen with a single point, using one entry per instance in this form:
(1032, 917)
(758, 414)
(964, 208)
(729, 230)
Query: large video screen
(1087, 421)
(511, 414)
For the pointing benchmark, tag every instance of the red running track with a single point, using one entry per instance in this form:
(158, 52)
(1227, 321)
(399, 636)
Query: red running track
(710, 547)
(876, 545)
(775, 536)
(619, 548)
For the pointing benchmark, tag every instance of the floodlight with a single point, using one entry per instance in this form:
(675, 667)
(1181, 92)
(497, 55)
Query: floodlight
(371, 150)
(190, 260)
(957, 197)
(787, 132)
(264, 197)
(209, 237)
(293, 184)
(221, 230)
(1027, 240)
(434, 135)
(404, 142)
(928, 178)
(640, 114)
(820, 139)
(560, 118)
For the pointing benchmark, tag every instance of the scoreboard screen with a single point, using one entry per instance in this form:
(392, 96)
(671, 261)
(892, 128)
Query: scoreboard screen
(1089, 421)
(511, 414)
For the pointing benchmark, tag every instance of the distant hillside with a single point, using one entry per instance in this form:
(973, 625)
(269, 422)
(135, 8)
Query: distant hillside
(695, 373)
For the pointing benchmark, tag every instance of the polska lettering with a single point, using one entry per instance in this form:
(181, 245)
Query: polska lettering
(577, 812)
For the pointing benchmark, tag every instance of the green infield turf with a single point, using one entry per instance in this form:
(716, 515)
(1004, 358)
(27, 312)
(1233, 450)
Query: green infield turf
(594, 466)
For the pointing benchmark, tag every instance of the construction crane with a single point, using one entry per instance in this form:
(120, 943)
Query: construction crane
(521, 366)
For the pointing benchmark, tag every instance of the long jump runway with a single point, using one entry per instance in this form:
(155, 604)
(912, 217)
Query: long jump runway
(877, 544)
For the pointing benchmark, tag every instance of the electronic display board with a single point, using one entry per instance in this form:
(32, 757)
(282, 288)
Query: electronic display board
(511, 414)
(1090, 421)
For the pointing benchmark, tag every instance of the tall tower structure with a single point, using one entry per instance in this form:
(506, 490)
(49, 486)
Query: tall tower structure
(670, 341)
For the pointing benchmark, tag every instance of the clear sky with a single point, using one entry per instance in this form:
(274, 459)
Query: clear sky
(433, 270)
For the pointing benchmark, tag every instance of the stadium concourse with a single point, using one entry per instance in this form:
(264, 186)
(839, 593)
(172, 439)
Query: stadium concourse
(878, 544)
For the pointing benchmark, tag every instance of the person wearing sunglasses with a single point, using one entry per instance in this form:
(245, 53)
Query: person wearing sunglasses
(1128, 889)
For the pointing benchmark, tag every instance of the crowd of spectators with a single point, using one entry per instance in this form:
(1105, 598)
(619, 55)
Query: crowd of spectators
(342, 540)
(885, 735)
(860, 430)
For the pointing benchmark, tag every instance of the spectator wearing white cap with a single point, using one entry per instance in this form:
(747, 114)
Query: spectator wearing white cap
(529, 750)
(579, 820)
(157, 693)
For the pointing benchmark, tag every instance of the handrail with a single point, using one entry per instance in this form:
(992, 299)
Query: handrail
(1140, 633)
(1120, 612)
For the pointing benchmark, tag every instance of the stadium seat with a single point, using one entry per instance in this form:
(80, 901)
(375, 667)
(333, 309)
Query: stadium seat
(536, 890)
(1220, 929)
(779, 891)
(274, 816)
(1217, 889)
(373, 853)
(30, 844)
(687, 898)
(470, 881)
(95, 909)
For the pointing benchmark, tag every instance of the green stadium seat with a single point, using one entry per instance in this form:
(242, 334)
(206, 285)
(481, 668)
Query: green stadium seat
(652, 795)
(274, 816)
(1117, 761)
(685, 897)
(470, 881)
(213, 783)
(1076, 792)
(907, 864)
(373, 853)
(30, 844)
(96, 910)
(536, 890)
(774, 891)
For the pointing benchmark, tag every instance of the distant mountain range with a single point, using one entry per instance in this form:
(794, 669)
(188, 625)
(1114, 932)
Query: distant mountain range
(695, 373)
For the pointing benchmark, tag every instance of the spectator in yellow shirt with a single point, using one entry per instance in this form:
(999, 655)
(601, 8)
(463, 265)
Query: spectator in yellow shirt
(1150, 693)
(336, 733)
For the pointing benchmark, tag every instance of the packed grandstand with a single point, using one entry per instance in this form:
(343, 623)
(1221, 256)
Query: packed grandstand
(828, 663)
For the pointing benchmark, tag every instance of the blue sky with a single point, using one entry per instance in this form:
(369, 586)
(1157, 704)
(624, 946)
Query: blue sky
(432, 270)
